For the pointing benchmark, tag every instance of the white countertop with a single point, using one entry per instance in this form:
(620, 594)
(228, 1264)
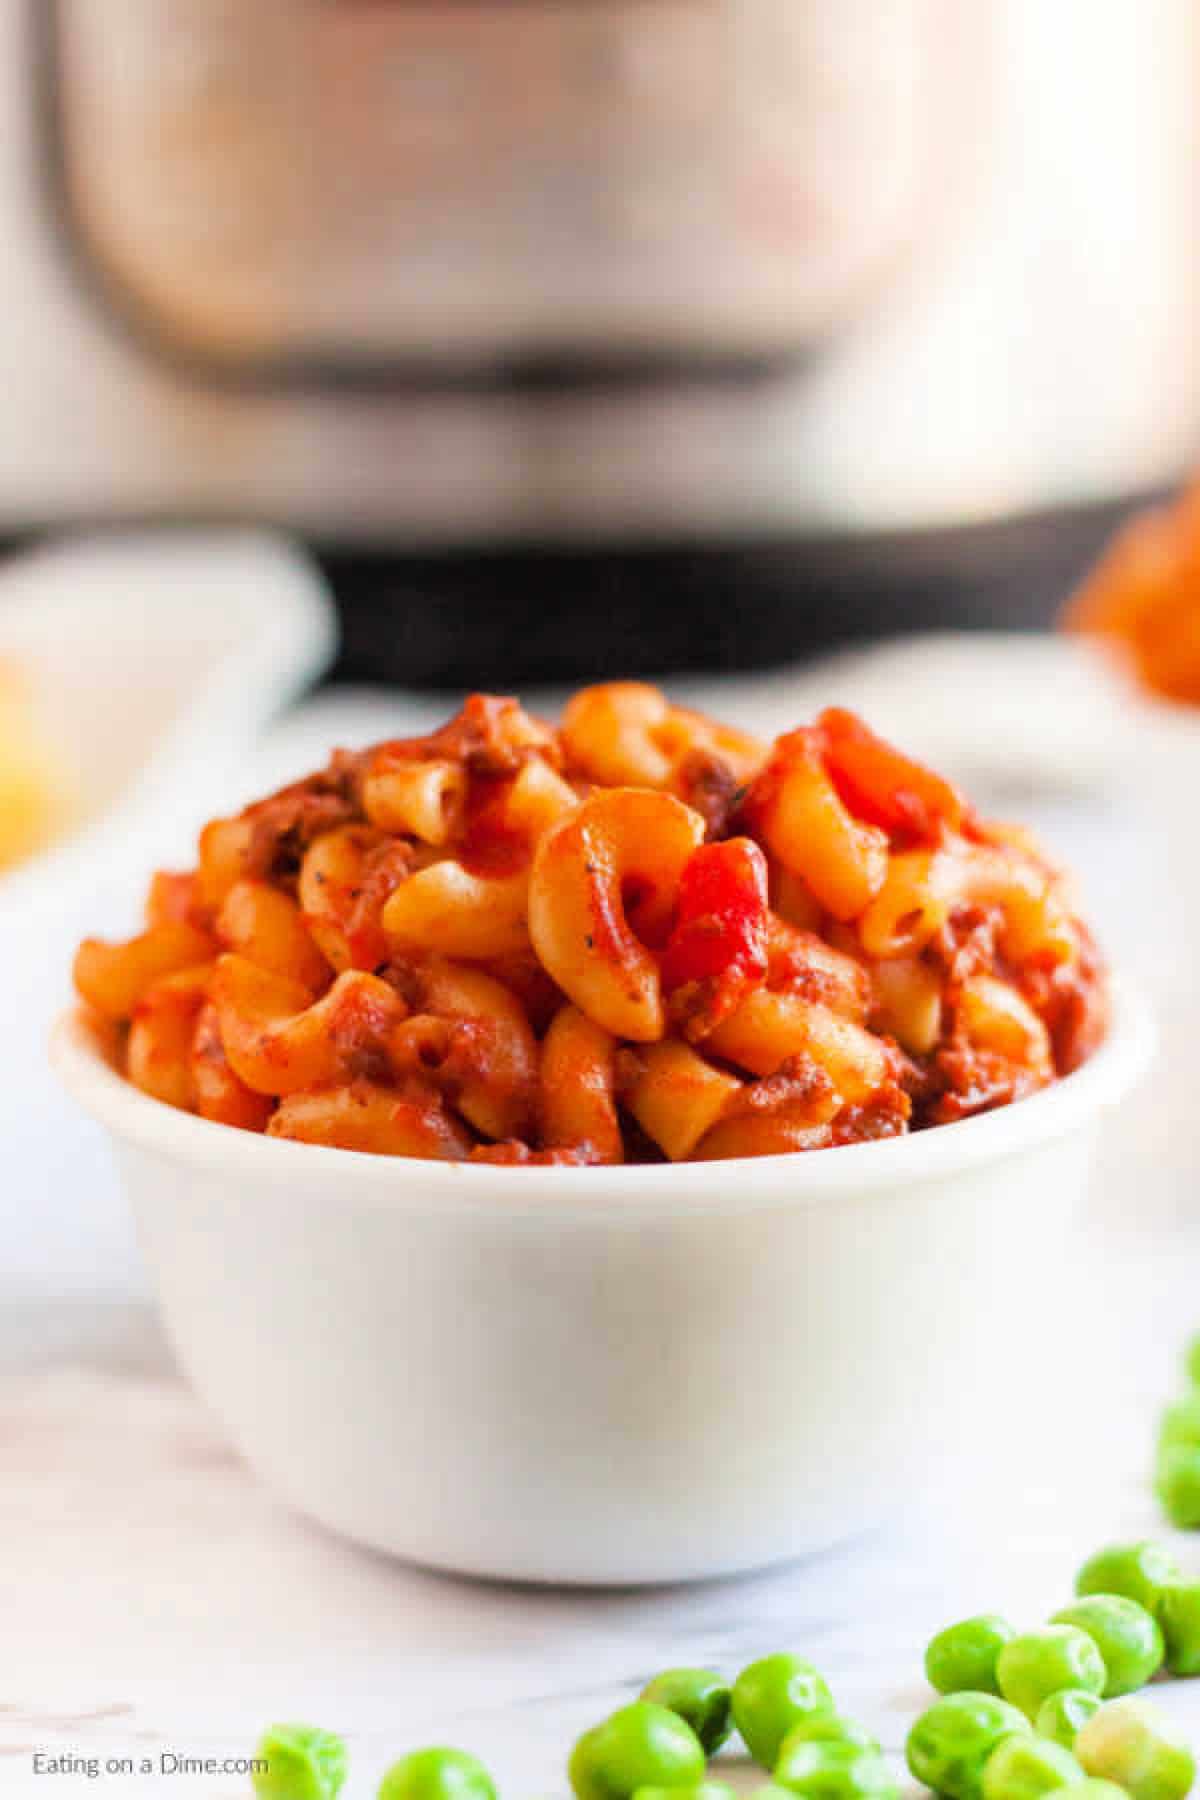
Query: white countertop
(157, 1599)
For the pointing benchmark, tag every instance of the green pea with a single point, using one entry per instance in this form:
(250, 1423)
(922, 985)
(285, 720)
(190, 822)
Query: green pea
(770, 1697)
(1126, 1635)
(951, 1741)
(1038, 1663)
(1061, 1715)
(1179, 1617)
(302, 1763)
(1021, 1768)
(1133, 1744)
(829, 1728)
(1177, 1483)
(703, 1790)
(642, 1745)
(1191, 1360)
(963, 1656)
(831, 1770)
(437, 1774)
(1092, 1788)
(700, 1697)
(1180, 1422)
(1138, 1571)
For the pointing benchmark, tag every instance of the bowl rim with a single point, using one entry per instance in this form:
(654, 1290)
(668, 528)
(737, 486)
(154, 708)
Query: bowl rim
(635, 1189)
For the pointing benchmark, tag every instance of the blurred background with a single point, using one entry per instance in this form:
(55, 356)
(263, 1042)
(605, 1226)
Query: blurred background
(579, 336)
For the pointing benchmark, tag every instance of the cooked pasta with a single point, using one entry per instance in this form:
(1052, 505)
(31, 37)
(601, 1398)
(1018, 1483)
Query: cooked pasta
(644, 937)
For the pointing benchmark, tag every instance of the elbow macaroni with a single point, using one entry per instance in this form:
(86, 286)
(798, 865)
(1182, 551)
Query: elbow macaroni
(423, 800)
(809, 830)
(509, 944)
(577, 1087)
(618, 853)
(677, 1096)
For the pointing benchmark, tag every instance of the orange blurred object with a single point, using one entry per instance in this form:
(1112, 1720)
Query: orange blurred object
(1144, 597)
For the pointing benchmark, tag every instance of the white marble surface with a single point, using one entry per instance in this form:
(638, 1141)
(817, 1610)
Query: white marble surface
(156, 1599)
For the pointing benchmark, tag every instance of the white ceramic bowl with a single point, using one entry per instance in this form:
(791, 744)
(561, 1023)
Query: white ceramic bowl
(599, 1375)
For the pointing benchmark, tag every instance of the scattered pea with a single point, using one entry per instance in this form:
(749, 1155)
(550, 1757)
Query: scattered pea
(1126, 1635)
(772, 1695)
(437, 1774)
(963, 1656)
(1037, 1664)
(1061, 1715)
(1191, 1360)
(1134, 1745)
(703, 1790)
(952, 1740)
(1179, 1616)
(1177, 1482)
(1021, 1768)
(302, 1763)
(827, 1728)
(832, 1770)
(702, 1700)
(641, 1745)
(1138, 1571)
(1180, 1422)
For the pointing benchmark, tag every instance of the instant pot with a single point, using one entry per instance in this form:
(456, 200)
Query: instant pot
(583, 335)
